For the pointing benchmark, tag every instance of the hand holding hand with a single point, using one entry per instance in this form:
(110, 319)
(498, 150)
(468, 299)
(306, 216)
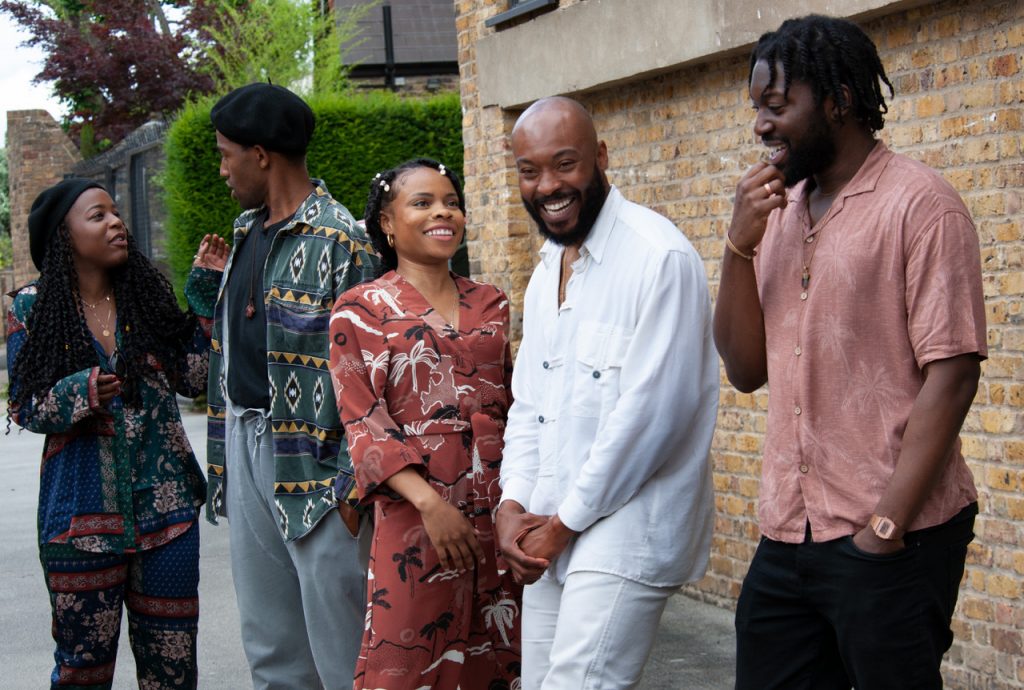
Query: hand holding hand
(511, 523)
(452, 535)
(761, 191)
(548, 540)
(213, 253)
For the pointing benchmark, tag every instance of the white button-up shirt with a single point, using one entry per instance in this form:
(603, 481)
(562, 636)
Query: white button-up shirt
(616, 395)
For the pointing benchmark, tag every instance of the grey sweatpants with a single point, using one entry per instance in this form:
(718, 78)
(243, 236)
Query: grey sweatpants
(301, 603)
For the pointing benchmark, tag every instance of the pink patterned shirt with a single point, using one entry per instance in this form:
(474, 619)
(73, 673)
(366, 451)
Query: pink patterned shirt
(895, 283)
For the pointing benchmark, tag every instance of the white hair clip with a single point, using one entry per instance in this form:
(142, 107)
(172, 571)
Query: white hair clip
(440, 168)
(385, 185)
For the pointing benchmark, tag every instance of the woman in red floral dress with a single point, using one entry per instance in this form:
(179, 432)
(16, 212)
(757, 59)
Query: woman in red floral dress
(421, 364)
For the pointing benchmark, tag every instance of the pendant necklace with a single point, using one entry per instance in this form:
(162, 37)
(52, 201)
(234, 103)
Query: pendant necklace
(564, 276)
(250, 308)
(805, 273)
(453, 321)
(104, 323)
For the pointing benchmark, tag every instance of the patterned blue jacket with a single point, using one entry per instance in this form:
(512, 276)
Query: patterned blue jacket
(315, 257)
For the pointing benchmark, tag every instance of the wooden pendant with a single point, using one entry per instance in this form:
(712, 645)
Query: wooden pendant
(250, 310)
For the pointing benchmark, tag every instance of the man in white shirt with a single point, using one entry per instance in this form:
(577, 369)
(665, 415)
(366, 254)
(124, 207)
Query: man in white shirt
(607, 499)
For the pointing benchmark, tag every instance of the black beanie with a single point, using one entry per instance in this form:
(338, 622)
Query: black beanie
(265, 114)
(48, 210)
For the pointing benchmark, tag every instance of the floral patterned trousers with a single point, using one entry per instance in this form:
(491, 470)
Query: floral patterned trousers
(160, 588)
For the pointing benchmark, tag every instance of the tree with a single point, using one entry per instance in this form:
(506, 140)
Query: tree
(294, 43)
(6, 250)
(114, 63)
(5, 195)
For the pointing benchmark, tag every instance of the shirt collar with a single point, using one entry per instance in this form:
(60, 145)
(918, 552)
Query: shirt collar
(865, 180)
(597, 240)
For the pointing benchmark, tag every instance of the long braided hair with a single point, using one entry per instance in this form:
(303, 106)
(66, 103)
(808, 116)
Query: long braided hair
(828, 53)
(58, 341)
(384, 188)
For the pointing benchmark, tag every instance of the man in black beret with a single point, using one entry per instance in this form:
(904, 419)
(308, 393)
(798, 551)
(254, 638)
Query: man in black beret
(276, 444)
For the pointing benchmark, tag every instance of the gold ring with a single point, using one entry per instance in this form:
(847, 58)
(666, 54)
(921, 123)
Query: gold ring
(768, 188)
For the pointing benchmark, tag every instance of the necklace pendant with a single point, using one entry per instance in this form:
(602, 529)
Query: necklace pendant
(106, 333)
(250, 310)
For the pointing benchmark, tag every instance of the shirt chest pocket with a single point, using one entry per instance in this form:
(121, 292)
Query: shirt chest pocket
(600, 355)
(300, 318)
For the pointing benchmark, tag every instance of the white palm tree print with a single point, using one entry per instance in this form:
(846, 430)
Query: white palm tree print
(376, 363)
(500, 614)
(419, 353)
(379, 295)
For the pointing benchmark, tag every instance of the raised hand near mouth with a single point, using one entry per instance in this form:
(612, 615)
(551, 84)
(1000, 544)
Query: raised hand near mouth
(759, 192)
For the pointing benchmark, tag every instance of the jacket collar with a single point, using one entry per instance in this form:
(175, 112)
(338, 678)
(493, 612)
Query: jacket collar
(308, 212)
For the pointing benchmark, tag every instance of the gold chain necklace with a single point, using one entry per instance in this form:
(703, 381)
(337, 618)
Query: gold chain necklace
(453, 321)
(564, 275)
(813, 240)
(104, 322)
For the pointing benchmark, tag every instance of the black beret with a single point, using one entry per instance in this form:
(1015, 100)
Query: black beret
(48, 210)
(265, 114)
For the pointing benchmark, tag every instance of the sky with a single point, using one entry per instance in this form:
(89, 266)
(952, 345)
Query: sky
(18, 65)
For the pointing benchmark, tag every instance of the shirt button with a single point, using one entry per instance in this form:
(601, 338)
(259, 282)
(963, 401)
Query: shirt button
(540, 419)
(597, 374)
(796, 410)
(797, 351)
(804, 468)
(810, 239)
(545, 365)
(803, 295)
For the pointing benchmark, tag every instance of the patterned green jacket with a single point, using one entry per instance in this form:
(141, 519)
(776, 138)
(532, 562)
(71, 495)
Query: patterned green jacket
(318, 255)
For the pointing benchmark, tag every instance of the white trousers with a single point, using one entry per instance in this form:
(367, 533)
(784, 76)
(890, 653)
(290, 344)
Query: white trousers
(594, 632)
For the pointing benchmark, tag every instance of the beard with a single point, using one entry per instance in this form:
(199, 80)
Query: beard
(591, 203)
(816, 152)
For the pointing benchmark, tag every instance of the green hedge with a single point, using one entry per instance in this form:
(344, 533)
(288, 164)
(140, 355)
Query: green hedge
(355, 137)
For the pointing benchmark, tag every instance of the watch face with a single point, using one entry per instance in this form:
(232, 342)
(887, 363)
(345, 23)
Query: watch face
(884, 528)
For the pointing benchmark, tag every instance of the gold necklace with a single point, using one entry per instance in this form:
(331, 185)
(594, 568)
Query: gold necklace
(104, 322)
(453, 320)
(813, 240)
(564, 275)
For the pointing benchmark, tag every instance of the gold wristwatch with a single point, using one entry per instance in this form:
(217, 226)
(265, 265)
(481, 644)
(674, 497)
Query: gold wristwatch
(885, 529)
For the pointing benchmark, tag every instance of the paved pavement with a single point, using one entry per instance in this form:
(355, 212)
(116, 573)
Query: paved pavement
(694, 650)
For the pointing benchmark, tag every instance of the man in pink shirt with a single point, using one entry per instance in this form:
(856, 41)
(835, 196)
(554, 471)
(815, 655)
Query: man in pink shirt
(851, 283)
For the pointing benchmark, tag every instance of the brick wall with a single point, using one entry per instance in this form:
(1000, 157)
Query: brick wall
(680, 141)
(38, 153)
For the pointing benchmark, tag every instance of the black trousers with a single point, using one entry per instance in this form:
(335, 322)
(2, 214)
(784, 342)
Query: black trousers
(823, 616)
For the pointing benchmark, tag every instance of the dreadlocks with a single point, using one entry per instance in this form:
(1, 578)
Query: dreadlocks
(828, 53)
(58, 342)
(384, 188)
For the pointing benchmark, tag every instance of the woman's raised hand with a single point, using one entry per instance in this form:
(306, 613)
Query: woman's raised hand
(213, 253)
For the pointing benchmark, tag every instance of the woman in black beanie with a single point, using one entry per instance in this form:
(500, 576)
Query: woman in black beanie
(97, 349)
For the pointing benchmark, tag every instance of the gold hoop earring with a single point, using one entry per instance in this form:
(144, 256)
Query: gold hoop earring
(391, 240)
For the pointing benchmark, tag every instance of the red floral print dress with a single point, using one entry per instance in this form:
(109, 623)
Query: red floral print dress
(414, 391)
